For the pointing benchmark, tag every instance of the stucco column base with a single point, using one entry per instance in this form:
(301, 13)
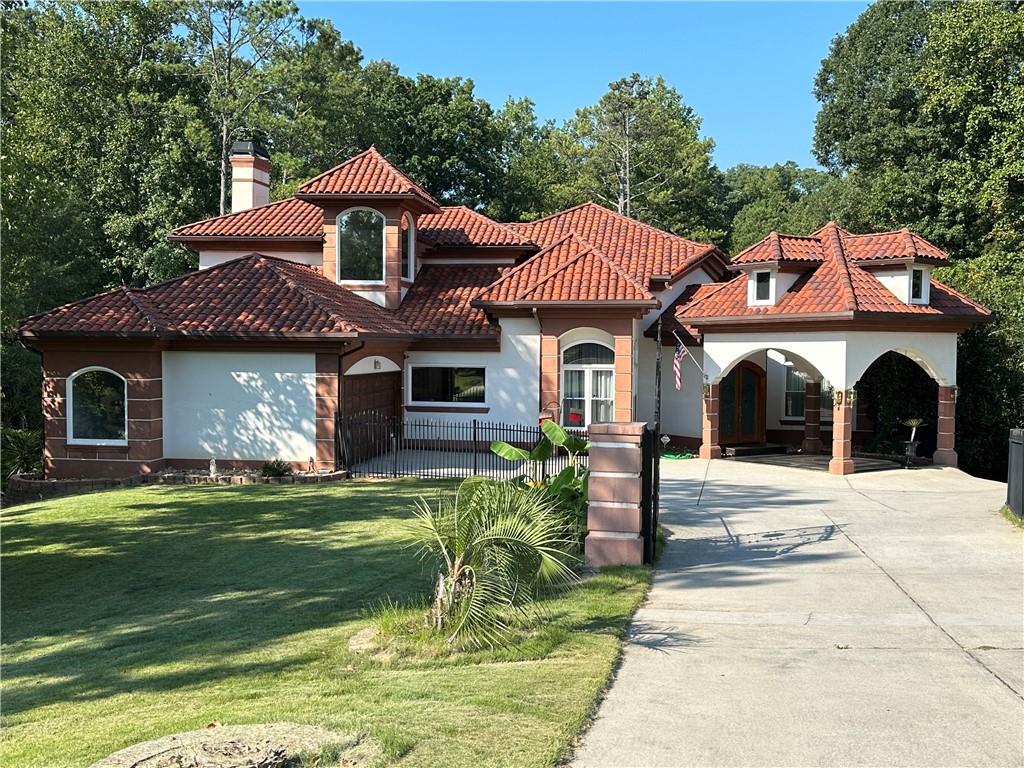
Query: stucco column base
(709, 451)
(613, 548)
(840, 466)
(945, 457)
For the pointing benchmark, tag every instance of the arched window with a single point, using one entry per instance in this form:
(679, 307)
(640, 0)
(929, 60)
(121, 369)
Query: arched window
(588, 384)
(361, 246)
(408, 247)
(97, 403)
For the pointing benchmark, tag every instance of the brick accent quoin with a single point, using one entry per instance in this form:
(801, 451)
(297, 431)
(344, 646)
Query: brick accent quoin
(841, 462)
(710, 446)
(326, 408)
(812, 417)
(945, 453)
(613, 514)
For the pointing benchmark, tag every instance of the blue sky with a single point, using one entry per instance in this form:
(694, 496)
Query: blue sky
(746, 68)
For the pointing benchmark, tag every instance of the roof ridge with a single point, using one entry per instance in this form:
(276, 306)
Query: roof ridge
(776, 244)
(549, 275)
(551, 215)
(709, 294)
(842, 266)
(519, 267)
(311, 300)
(611, 263)
(372, 151)
(500, 224)
(959, 295)
(147, 312)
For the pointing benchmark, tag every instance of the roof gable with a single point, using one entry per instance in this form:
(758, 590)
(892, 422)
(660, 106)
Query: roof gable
(810, 249)
(367, 174)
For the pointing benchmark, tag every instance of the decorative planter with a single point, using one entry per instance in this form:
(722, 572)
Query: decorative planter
(911, 451)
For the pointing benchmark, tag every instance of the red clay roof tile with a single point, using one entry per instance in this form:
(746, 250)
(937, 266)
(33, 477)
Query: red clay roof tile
(438, 303)
(368, 173)
(289, 218)
(879, 246)
(459, 226)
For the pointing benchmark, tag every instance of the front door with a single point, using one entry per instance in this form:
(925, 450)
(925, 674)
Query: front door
(741, 405)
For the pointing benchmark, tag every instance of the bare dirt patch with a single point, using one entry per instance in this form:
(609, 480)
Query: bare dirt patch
(273, 745)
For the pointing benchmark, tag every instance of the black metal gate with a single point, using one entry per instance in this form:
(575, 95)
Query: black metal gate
(649, 481)
(1015, 473)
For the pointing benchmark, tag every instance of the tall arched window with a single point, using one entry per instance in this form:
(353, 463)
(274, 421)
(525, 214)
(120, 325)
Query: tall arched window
(408, 247)
(97, 400)
(361, 246)
(588, 384)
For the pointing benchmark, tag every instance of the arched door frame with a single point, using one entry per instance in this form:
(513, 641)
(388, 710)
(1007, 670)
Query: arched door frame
(760, 403)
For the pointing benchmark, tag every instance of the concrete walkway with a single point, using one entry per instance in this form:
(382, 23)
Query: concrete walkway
(802, 619)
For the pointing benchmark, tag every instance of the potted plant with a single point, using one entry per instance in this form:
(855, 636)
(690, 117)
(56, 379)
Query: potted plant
(912, 443)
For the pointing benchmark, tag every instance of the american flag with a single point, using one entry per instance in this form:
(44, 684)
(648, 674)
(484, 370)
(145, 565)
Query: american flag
(677, 364)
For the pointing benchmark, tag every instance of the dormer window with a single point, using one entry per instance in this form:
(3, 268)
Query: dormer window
(916, 284)
(408, 248)
(762, 286)
(361, 246)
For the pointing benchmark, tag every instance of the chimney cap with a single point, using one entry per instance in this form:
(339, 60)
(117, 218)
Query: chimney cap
(253, 148)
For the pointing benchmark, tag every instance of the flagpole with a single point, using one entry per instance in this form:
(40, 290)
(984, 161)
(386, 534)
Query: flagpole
(657, 385)
(680, 341)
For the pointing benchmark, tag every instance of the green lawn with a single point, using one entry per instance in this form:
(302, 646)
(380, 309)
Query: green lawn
(135, 613)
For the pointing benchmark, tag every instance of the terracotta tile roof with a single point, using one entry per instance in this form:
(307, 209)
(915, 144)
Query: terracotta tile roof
(438, 303)
(836, 286)
(880, 246)
(638, 249)
(569, 270)
(459, 226)
(255, 296)
(285, 218)
(368, 173)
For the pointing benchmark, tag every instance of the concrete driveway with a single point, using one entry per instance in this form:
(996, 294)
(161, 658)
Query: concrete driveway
(801, 619)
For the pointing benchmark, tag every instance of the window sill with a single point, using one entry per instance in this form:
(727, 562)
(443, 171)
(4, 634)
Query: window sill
(447, 408)
(793, 422)
(97, 443)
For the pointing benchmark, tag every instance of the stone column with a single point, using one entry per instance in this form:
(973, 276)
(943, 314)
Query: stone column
(393, 261)
(613, 514)
(945, 455)
(710, 448)
(550, 402)
(842, 433)
(623, 392)
(326, 409)
(812, 417)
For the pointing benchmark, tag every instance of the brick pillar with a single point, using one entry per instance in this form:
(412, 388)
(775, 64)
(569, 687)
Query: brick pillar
(841, 462)
(710, 448)
(623, 409)
(326, 409)
(812, 417)
(945, 454)
(550, 403)
(145, 415)
(393, 262)
(613, 514)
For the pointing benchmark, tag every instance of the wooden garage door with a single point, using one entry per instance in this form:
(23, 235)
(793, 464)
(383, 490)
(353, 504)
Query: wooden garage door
(377, 392)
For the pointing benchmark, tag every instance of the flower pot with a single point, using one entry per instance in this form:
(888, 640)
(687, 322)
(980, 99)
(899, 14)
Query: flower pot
(911, 450)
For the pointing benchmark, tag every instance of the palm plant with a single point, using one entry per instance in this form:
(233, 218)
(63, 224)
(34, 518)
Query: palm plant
(914, 424)
(497, 543)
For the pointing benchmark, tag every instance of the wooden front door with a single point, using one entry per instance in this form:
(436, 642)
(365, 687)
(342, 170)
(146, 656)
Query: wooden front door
(741, 407)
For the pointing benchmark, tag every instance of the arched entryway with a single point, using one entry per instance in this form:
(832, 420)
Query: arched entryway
(742, 405)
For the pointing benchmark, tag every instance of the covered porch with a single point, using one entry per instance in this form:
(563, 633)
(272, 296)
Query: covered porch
(831, 363)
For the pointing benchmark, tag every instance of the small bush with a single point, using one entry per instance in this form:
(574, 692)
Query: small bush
(21, 452)
(276, 468)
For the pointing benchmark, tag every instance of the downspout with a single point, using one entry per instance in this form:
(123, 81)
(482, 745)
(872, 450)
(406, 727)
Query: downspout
(337, 413)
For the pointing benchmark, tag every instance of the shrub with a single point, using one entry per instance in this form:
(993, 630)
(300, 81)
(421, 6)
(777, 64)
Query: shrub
(497, 544)
(276, 468)
(21, 451)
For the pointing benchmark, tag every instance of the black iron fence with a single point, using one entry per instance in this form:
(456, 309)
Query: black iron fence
(1015, 474)
(377, 445)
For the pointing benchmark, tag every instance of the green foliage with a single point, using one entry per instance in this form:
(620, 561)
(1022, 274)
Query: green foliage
(892, 390)
(497, 543)
(21, 451)
(276, 468)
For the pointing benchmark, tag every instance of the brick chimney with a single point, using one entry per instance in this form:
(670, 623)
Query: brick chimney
(250, 176)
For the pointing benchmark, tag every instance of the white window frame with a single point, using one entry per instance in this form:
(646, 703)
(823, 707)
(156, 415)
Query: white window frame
(412, 247)
(588, 381)
(752, 299)
(826, 413)
(69, 388)
(446, 403)
(383, 247)
(925, 296)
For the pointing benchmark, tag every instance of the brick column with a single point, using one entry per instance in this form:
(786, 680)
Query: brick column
(841, 462)
(623, 379)
(613, 514)
(550, 402)
(326, 408)
(393, 262)
(812, 417)
(945, 454)
(710, 447)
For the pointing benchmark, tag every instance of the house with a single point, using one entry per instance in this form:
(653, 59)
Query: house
(363, 293)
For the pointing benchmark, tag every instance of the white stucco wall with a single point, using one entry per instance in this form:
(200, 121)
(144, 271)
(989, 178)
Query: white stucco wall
(839, 356)
(512, 377)
(680, 411)
(239, 405)
(313, 258)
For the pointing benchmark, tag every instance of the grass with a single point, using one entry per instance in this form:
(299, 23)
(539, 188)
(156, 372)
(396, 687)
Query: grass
(1009, 515)
(135, 613)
